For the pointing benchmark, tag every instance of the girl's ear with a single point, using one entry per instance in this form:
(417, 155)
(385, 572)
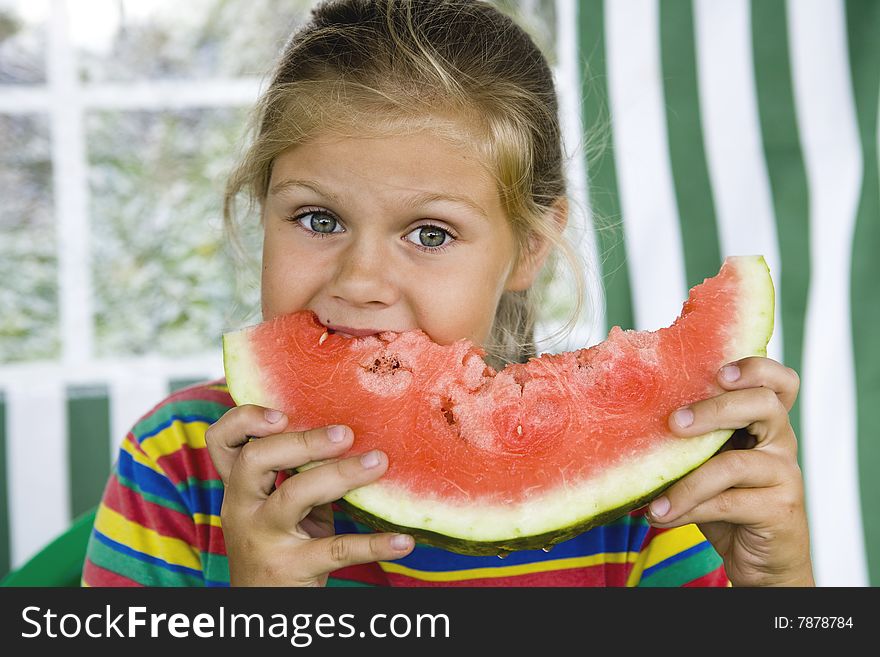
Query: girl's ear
(527, 269)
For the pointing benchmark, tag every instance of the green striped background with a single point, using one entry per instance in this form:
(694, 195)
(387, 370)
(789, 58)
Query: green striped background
(777, 110)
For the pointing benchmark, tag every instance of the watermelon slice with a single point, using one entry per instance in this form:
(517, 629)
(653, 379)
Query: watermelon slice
(487, 462)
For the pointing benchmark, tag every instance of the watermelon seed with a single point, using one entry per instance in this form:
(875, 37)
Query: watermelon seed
(519, 429)
(323, 337)
(547, 549)
(385, 365)
(446, 405)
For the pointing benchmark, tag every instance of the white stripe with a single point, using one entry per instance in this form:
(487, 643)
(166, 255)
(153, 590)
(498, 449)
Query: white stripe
(832, 155)
(132, 394)
(647, 198)
(39, 499)
(734, 151)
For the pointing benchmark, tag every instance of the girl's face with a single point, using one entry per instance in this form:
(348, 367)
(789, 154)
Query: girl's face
(388, 233)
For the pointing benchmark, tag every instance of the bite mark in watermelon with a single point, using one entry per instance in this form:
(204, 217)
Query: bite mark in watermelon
(487, 462)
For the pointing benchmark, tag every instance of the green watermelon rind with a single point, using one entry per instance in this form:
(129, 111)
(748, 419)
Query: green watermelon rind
(527, 534)
(481, 529)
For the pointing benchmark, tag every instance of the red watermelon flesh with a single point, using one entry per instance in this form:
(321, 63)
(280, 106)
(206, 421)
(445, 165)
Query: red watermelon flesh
(483, 461)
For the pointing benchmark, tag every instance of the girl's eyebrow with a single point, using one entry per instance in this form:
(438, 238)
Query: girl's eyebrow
(411, 202)
(286, 184)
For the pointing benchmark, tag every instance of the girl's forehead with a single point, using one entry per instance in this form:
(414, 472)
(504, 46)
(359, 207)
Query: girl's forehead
(456, 132)
(461, 127)
(436, 154)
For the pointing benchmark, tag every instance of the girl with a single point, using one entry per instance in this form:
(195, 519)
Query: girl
(407, 165)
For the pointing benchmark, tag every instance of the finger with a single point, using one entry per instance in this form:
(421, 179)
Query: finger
(323, 484)
(756, 371)
(738, 506)
(757, 409)
(255, 471)
(727, 470)
(333, 553)
(230, 433)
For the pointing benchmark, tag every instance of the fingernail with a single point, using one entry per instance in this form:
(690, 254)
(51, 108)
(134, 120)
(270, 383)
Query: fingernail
(401, 542)
(336, 433)
(730, 373)
(684, 417)
(273, 416)
(370, 459)
(659, 507)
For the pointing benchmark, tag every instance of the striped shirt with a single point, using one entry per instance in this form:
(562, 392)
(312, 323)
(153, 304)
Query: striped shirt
(158, 524)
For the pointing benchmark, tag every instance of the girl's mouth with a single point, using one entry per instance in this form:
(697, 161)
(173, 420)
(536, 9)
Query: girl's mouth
(348, 332)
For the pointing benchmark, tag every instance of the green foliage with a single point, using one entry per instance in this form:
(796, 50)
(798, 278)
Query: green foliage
(28, 254)
(163, 279)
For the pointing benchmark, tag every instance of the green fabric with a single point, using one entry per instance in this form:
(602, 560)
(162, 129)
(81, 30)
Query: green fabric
(88, 431)
(604, 196)
(788, 176)
(690, 172)
(60, 563)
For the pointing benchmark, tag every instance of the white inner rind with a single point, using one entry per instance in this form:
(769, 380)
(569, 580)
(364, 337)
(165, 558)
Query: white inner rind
(754, 326)
(564, 506)
(242, 371)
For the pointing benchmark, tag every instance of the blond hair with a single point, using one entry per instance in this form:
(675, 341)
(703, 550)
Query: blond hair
(462, 69)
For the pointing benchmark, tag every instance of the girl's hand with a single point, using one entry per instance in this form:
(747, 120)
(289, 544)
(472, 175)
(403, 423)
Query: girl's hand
(749, 503)
(284, 536)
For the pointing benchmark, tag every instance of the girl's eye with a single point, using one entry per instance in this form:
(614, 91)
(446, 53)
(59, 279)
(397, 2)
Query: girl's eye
(316, 221)
(431, 238)
(320, 223)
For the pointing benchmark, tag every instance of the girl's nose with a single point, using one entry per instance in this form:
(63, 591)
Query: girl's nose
(365, 274)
